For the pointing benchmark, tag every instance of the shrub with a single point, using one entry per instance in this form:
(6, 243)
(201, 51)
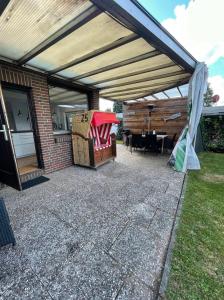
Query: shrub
(213, 133)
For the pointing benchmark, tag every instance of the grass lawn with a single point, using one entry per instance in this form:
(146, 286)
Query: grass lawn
(119, 142)
(197, 270)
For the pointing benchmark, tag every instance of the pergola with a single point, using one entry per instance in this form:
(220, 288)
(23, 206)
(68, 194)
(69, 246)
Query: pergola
(113, 46)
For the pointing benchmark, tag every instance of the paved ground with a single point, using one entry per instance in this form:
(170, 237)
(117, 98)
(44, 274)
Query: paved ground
(89, 234)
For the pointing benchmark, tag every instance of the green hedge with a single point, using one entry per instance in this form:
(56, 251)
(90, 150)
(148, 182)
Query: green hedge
(213, 133)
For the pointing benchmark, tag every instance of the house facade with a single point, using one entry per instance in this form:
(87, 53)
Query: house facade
(55, 61)
(52, 148)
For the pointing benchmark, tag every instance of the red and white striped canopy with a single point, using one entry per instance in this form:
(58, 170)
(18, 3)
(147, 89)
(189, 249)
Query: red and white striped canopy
(100, 128)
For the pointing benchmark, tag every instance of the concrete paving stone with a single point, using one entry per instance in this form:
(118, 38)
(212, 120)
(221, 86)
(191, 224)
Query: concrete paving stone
(114, 172)
(137, 193)
(134, 289)
(158, 184)
(113, 201)
(25, 286)
(95, 276)
(175, 188)
(121, 201)
(104, 229)
(141, 214)
(163, 201)
(91, 222)
(161, 226)
(45, 241)
(138, 250)
(53, 269)
(75, 211)
(82, 232)
(11, 268)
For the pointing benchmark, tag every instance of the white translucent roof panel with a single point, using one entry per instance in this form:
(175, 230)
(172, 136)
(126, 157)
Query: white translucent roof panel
(149, 98)
(141, 76)
(160, 95)
(137, 66)
(122, 53)
(82, 41)
(131, 101)
(184, 89)
(133, 90)
(173, 93)
(147, 83)
(72, 102)
(126, 97)
(59, 92)
(24, 24)
(66, 96)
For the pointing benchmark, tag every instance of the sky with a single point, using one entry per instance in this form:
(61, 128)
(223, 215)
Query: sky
(199, 26)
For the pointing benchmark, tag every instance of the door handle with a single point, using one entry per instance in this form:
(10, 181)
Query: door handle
(5, 132)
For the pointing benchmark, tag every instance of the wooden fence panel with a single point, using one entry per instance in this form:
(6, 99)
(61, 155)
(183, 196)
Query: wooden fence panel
(137, 120)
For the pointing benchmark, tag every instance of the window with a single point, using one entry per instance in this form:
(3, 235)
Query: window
(64, 104)
(16, 103)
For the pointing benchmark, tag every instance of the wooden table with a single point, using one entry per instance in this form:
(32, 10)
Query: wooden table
(161, 137)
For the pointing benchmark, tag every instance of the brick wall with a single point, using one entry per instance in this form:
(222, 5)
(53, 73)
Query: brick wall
(55, 153)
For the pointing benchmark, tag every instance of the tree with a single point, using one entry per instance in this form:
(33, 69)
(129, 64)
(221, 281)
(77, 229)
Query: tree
(208, 96)
(118, 108)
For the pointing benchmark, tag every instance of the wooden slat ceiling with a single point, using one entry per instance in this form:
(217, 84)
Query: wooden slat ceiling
(82, 43)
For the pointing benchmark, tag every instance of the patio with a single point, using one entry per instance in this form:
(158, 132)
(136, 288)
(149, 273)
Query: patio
(89, 234)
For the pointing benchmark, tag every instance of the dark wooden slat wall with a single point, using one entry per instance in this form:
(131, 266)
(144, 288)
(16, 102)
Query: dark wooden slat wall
(136, 116)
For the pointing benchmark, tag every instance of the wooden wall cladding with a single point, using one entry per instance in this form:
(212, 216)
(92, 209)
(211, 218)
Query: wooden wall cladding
(136, 116)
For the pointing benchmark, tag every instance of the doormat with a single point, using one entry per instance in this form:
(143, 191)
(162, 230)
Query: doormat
(33, 182)
(6, 233)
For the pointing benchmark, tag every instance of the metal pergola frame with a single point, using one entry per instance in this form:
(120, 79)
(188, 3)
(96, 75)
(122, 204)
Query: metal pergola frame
(152, 93)
(136, 18)
(133, 16)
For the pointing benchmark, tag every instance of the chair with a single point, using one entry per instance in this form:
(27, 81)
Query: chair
(169, 142)
(151, 143)
(136, 141)
(126, 134)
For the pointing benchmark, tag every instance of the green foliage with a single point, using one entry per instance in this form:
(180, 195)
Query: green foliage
(197, 265)
(213, 133)
(118, 108)
(120, 131)
(208, 96)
